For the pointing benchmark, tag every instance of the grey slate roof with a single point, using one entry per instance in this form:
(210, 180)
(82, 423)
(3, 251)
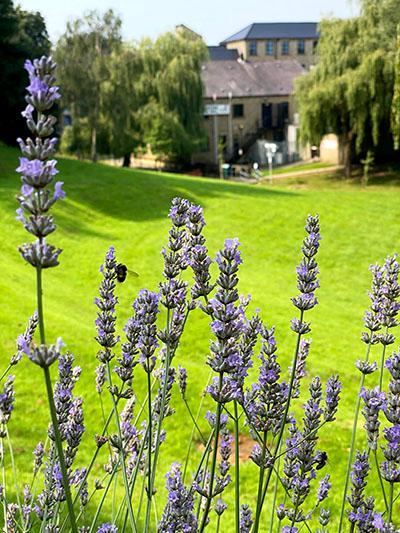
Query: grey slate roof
(242, 78)
(219, 53)
(276, 30)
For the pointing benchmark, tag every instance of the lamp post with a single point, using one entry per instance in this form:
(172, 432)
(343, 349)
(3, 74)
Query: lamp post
(270, 149)
(215, 134)
(230, 128)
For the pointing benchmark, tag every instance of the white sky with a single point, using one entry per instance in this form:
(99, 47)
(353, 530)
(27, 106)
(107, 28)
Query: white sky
(213, 19)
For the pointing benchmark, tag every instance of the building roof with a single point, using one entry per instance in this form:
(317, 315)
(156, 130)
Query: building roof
(219, 53)
(276, 30)
(242, 78)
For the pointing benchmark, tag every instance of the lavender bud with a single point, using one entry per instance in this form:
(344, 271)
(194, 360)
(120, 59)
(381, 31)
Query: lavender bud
(7, 399)
(182, 381)
(38, 457)
(366, 368)
(332, 395)
(100, 377)
(324, 517)
(107, 528)
(246, 521)
(40, 254)
(178, 513)
(220, 506)
(323, 488)
(307, 271)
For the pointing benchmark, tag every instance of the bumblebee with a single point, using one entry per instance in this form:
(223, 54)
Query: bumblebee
(122, 271)
(322, 460)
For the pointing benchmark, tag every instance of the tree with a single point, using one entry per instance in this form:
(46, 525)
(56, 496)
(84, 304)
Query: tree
(122, 100)
(23, 35)
(350, 91)
(171, 119)
(396, 97)
(84, 55)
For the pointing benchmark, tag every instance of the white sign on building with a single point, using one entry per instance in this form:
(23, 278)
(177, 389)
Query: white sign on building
(217, 109)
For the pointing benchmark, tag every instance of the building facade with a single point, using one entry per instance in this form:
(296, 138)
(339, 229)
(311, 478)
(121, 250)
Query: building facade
(271, 41)
(245, 102)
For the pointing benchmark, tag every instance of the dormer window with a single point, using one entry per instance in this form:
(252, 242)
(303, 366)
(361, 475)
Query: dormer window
(269, 47)
(285, 48)
(253, 48)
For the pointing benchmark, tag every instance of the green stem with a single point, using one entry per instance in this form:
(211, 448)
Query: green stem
(218, 523)
(352, 443)
(213, 461)
(260, 485)
(14, 472)
(380, 479)
(237, 466)
(382, 365)
(4, 374)
(40, 304)
(271, 523)
(204, 440)
(391, 490)
(193, 428)
(158, 436)
(149, 487)
(60, 453)
(287, 407)
(3, 472)
(122, 454)
(103, 497)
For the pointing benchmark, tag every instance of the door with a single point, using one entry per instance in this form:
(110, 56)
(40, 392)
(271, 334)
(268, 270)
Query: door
(266, 114)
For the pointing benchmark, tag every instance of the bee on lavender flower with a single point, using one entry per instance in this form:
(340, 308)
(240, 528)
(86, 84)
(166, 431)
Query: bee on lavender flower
(122, 271)
(322, 460)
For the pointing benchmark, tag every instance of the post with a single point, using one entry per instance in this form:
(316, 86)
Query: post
(215, 135)
(230, 127)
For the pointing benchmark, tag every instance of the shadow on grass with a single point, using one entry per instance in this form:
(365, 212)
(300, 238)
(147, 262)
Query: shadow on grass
(127, 194)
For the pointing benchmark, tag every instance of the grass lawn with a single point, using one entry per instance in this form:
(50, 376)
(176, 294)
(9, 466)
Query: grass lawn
(297, 167)
(128, 208)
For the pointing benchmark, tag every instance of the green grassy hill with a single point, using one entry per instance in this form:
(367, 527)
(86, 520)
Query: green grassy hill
(128, 208)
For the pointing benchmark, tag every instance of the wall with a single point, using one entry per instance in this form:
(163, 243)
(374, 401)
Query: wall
(242, 127)
(307, 59)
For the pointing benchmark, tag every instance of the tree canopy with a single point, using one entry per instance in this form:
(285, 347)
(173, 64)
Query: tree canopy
(126, 96)
(23, 35)
(350, 91)
(83, 56)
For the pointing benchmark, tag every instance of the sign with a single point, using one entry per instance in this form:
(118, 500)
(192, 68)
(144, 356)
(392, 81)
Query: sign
(217, 109)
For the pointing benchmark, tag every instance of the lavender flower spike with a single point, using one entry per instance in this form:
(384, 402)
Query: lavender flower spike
(307, 271)
(36, 168)
(178, 513)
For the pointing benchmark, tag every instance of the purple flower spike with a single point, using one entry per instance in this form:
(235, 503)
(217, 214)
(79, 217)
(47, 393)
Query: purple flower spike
(36, 167)
(307, 271)
(178, 513)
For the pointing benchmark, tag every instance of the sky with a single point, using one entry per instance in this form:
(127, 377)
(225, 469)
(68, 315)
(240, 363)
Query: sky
(213, 19)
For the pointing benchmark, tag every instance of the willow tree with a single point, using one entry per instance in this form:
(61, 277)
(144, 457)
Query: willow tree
(396, 97)
(350, 91)
(122, 100)
(84, 54)
(171, 119)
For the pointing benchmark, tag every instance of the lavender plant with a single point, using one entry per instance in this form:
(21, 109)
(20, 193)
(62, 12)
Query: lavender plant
(251, 391)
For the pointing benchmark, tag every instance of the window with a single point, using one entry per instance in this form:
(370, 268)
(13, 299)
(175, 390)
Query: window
(253, 48)
(301, 47)
(285, 48)
(269, 48)
(315, 44)
(283, 114)
(238, 110)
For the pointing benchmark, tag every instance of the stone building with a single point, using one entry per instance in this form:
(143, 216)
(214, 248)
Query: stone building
(246, 102)
(268, 41)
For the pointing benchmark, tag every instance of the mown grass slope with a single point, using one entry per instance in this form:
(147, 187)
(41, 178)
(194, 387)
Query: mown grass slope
(128, 209)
